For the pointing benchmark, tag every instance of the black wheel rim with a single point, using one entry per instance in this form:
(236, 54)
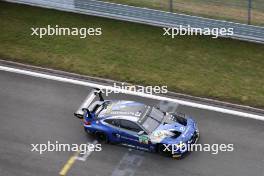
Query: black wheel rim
(101, 137)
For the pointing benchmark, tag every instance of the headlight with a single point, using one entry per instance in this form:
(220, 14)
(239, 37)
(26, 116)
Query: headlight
(194, 125)
(182, 147)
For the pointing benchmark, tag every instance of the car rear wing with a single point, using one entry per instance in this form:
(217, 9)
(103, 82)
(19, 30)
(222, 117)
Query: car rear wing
(88, 100)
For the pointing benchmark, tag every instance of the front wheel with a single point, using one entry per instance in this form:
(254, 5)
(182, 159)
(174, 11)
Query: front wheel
(161, 149)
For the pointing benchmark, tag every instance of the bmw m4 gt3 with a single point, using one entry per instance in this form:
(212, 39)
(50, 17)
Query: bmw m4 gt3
(137, 125)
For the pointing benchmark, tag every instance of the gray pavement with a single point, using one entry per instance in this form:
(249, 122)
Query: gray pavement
(35, 110)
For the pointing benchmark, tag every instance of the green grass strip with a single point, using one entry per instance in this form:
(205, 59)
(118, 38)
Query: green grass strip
(223, 69)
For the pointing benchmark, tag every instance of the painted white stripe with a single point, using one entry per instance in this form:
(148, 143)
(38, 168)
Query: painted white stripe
(88, 84)
(88, 153)
(128, 164)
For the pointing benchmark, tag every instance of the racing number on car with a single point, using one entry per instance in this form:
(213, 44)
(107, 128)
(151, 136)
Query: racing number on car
(182, 128)
(144, 139)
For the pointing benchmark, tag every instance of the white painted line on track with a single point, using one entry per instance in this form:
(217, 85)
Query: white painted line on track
(128, 164)
(87, 154)
(88, 84)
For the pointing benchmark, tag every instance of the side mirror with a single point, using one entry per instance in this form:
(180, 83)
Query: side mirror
(141, 133)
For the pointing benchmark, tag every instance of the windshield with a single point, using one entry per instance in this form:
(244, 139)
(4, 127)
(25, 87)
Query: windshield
(153, 119)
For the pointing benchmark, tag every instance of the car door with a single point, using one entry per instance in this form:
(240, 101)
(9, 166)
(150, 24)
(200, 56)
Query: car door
(129, 133)
(114, 128)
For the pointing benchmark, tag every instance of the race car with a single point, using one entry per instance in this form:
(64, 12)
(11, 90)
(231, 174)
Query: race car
(137, 125)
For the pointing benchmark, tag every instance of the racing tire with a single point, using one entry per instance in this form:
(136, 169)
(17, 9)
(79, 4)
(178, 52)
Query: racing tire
(86, 131)
(101, 137)
(160, 150)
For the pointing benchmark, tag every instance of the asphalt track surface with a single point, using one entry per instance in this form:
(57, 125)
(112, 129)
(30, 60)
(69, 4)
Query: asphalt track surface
(148, 16)
(35, 110)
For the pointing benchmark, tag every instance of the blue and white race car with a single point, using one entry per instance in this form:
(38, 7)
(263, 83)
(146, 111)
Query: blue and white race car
(137, 125)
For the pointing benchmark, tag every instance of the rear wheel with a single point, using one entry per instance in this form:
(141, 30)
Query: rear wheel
(86, 131)
(101, 137)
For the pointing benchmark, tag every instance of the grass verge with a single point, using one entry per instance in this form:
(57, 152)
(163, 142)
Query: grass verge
(222, 69)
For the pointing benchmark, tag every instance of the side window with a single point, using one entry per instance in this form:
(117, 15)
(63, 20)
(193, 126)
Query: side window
(128, 125)
(113, 122)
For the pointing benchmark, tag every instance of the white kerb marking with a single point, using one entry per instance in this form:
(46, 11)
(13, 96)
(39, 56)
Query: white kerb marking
(88, 84)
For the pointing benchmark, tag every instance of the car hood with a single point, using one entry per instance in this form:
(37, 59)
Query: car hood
(171, 132)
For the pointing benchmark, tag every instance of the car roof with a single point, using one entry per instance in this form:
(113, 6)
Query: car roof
(122, 109)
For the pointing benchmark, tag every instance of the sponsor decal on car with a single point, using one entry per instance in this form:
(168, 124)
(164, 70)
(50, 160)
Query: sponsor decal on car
(144, 139)
(159, 135)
